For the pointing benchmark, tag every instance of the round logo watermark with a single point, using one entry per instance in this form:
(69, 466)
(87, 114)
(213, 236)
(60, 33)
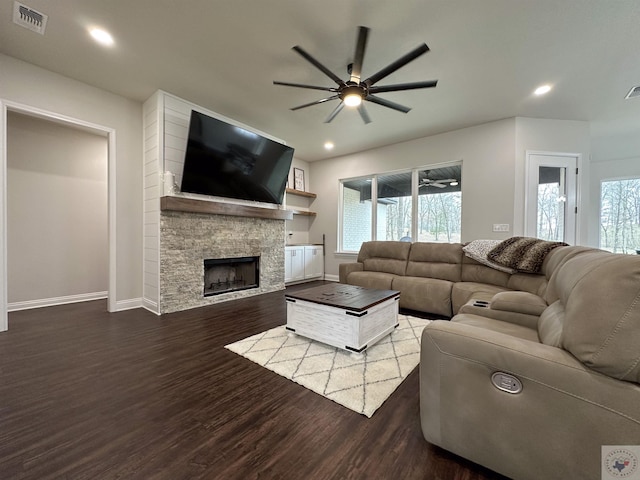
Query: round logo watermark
(621, 463)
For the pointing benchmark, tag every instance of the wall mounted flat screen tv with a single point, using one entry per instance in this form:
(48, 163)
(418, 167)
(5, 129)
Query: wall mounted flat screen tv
(224, 160)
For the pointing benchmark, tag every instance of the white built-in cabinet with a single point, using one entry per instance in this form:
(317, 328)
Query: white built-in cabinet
(303, 262)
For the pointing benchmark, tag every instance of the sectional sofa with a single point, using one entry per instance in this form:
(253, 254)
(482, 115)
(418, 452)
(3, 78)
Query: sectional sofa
(536, 375)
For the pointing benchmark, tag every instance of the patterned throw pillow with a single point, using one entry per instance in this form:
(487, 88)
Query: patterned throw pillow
(478, 250)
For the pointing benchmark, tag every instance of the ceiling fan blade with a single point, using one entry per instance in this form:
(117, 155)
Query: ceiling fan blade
(361, 45)
(435, 184)
(300, 85)
(401, 62)
(387, 103)
(317, 102)
(363, 113)
(403, 86)
(335, 112)
(319, 66)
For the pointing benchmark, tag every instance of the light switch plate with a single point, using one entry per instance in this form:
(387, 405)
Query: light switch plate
(500, 227)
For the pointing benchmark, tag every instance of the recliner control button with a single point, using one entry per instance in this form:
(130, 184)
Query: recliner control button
(506, 382)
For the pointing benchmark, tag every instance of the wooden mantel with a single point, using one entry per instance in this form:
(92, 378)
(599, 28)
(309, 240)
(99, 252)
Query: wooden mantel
(193, 205)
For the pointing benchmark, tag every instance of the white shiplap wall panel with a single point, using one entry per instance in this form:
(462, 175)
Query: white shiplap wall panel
(152, 118)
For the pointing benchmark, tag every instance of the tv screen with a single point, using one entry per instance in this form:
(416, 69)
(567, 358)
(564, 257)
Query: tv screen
(224, 160)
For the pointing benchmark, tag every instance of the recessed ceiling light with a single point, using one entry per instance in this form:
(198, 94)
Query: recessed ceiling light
(101, 36)
(328, 146)
(542, 89)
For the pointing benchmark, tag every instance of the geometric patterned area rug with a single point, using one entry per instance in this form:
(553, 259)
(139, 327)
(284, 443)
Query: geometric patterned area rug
(361, 384)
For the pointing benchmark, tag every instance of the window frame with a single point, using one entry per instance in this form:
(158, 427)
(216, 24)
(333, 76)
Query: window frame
(374, 200)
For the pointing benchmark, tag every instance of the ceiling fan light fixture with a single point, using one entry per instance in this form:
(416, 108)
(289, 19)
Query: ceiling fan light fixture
(454, 183)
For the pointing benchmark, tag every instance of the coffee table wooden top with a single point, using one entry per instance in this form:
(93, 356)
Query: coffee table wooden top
(347, 297)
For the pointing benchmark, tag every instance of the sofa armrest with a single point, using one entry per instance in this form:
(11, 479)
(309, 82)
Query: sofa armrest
(520, 435)
(344, 269)
(519, 302)
(487, 310)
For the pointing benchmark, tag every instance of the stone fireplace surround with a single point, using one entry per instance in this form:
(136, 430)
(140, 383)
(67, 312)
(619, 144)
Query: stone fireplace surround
(186, 239)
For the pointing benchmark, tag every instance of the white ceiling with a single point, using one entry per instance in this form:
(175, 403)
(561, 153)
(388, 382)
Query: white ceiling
(488, 56)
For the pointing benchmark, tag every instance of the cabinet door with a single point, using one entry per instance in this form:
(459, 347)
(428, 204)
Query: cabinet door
(293, 264)
(313, 262)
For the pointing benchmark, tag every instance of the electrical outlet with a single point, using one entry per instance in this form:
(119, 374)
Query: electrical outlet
(500, 227)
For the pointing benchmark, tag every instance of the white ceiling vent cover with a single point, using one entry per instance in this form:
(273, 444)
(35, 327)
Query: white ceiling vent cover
(29, 18)
(634, 92)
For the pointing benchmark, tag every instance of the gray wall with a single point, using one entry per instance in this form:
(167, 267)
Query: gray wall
(27, 84)
(56, 210)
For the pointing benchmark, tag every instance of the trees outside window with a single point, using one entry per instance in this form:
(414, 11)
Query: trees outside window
(620, 215)
(411, 205)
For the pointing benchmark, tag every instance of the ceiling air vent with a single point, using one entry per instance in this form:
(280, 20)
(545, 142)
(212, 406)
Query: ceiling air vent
(634, 92)
(29, 18)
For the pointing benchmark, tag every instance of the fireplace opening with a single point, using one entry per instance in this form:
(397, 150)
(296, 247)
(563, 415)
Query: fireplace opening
(222, 275)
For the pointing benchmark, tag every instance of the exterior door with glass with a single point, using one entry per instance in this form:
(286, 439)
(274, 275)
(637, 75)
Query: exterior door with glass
(551, 196)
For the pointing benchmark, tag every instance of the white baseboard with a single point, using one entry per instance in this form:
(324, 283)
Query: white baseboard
(49, 302)
(122, 305)
(331, 278)
(151, 305)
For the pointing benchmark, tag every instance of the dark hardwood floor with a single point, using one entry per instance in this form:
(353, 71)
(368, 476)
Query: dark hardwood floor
(85, 394)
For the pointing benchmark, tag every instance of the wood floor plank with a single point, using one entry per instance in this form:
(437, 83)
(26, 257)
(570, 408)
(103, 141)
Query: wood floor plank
(85, 394)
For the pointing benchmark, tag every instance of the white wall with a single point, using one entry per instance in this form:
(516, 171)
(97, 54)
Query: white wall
(486, 151)
(27, 84)
(492, 155)
(56, 211)
(558, 136)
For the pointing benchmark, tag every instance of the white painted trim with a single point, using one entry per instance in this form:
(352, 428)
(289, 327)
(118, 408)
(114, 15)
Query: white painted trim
(4, 322)
(49, 302)
(130, 304)
(331, 278)
(578, 189)
(150, 305)
(110, 133)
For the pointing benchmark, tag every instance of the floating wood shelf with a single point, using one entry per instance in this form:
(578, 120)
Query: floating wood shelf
(304, 213)
(300, 193)
(193, 205)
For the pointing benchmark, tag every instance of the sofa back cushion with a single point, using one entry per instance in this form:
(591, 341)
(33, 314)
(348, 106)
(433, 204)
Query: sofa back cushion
(435, 260)
(473, 271)
(385, 256)
(528, 282)
(553, 261)
(600, 292)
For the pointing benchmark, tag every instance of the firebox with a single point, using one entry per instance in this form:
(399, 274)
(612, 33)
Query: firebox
(222, 275)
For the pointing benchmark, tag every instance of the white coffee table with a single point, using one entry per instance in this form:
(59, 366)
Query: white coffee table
(344, 316)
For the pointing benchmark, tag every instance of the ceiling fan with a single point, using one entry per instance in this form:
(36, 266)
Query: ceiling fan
(427, 182)
(353, 91)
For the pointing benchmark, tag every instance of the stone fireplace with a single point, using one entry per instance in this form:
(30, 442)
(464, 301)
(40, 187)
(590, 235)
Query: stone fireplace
(188, 239)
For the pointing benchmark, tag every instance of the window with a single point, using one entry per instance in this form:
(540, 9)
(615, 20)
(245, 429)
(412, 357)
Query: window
(620, 215)
(412, 205)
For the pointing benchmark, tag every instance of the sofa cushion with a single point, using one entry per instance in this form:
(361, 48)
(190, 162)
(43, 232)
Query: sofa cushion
(377, 280)
(424, 294)
(528, 282)
(506, 328)
(473, 271)
(601, 295)
(550, 325)
(385, 256)
(519, 302)
(435, 260)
